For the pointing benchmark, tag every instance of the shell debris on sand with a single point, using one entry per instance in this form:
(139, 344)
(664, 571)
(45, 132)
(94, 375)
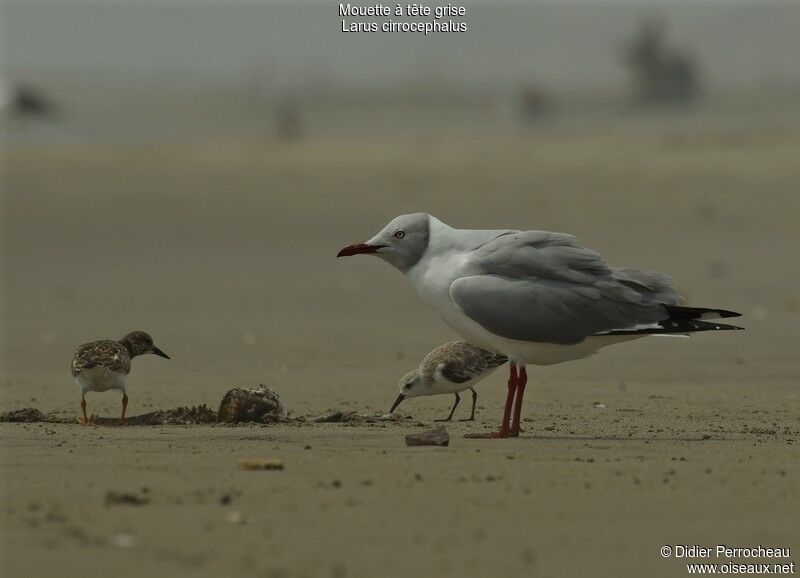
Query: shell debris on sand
(261, 464)
(437, 436)
(200, 414)
(251, 405)
(194, 415)
(24, 415)
(355, 417)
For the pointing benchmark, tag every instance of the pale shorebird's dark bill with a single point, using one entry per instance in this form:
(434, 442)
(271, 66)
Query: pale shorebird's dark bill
(359, 249)
(399, 399)
(157, 351)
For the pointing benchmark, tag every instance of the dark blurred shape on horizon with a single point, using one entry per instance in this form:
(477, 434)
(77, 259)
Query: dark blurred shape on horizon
(25, 101)
(535, 103)
(661, 74)
(288, 120)
(30, 101)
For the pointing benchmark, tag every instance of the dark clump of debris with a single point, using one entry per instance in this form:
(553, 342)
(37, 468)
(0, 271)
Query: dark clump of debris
(179, 416)
(261, 405)
(437, 436)
(198, 414)
(190, 415)
(25, 415)
(355, 417)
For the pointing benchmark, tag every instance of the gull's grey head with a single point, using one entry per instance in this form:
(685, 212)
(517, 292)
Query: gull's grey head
(401, 243)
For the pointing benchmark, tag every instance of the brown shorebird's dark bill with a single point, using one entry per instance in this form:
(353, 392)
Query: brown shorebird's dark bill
(160, 353)
(399, 399)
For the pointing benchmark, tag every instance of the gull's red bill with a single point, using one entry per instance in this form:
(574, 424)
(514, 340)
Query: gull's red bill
(358, 249)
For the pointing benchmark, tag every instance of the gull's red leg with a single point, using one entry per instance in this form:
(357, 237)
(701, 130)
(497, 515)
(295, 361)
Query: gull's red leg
(523, 380)
(513, 384)
(505, 429)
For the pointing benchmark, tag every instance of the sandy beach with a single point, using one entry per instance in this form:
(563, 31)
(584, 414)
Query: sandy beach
(225, 252)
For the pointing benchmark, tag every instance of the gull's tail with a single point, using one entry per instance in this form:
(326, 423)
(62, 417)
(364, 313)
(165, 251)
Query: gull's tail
(682, 321)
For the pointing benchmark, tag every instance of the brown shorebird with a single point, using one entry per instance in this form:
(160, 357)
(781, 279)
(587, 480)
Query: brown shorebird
(105, 364)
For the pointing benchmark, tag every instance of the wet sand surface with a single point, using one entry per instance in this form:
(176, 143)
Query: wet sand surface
(224, 252)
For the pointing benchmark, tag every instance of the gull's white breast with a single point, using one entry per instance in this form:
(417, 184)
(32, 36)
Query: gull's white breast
(100, 379)
(432, 278)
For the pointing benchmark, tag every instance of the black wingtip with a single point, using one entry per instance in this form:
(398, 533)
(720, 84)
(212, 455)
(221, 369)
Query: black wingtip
(681, 327)
(723, 314)
(711, 326)
(679, 313)
(726, 327)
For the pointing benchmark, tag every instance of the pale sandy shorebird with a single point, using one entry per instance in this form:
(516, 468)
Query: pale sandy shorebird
(105, 364)
(534, 296)
(450, 368)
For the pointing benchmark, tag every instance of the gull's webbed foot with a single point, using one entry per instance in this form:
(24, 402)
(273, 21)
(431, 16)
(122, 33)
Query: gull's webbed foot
(501, 433)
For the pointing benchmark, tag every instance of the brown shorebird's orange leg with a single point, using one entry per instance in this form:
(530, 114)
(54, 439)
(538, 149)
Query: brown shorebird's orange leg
(83, 409)
(523, 380)
(505, 428)
(124, 407)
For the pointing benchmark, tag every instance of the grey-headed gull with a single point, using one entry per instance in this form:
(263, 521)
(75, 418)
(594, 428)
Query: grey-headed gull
(450, 368)
(534, 296)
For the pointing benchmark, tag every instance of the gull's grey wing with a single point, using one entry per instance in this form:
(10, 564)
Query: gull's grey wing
(540, 254)
(546, 310)
(653, 286)
(558, 256)
(542, 286)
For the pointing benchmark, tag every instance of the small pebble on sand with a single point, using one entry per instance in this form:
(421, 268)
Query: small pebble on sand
(437, 436)
(124, 541)
(261, 464)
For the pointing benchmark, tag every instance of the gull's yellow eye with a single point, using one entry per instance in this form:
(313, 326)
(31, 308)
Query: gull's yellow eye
(400, 234)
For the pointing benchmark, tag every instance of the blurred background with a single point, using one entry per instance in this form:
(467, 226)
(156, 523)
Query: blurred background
(191, 169)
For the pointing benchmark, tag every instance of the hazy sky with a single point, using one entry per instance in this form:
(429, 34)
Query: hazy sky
(572, 45)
